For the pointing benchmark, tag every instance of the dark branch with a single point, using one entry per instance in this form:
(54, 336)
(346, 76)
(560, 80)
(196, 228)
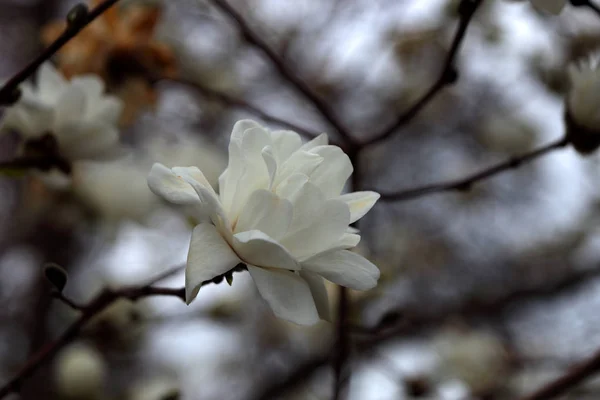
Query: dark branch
(244, 105)
(466, 183)
(89, 311)
(448, 75)
(74, 26)
(573, 377)
(592, 6)
(253, 38)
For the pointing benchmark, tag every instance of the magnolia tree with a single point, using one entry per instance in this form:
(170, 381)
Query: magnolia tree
(178, 226)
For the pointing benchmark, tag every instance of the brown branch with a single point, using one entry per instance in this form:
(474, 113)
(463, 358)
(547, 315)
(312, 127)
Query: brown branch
(464, 184)
(284, 70)
(573, 377)
(244, 105)
(399, 323)
(90, 310)
(97, 305)
(7, 92)
(449, 75)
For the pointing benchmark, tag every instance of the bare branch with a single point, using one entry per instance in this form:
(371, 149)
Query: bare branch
(466, 183)
(448, 75)
(7, 92)
(244, 105)
(253, 38)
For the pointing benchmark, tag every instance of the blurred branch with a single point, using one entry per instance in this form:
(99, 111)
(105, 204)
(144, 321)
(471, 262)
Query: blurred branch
(569, 380)
(22, 164)
(449, 74)
(465, 184)
(253, 38)
(244, 105)
(77, 20)
(591, 5)
(93, 308)
(399, 323)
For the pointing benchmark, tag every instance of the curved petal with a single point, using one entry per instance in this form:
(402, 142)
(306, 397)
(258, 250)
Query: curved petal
(331, 175)
(195, 174)
(359, 203)
(242, 126)
(256, 248)
(301, 162)
(271, 163)
(288, 295)
(344, 268)
(208, 257)
(321, 140)
(328, 226)
(267, 213)
(319, 293)
(210, 205)
(285, 143)
(165, 183)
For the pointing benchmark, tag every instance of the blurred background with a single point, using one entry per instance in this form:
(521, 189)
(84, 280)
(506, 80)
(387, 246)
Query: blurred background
(484, 294)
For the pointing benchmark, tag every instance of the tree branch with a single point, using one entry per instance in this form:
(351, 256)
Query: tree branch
(253, 38)
(592, 6)
(89, 311)
(244, 105)
(466, 183)
(569, 380)
(7, 92)
(467, 9)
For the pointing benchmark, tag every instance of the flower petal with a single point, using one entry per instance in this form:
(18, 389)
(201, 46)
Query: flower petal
(359, 203)
(71, 106)
(285, 143)
(327, 227)
(288, 295)
(319, 293)
(267, 213)
(165, 183)
(256, 248)
(195, 174)
(321, 140)
(208, 257)
(50, 82)
(91, 85)
(331, 175)
(344, 268)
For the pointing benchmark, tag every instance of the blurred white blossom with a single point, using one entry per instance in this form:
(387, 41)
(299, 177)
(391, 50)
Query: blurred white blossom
(115, 190)
(80, 373)
(77, 113)
(280, 212)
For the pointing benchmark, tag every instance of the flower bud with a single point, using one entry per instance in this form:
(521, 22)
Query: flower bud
(582, 115)
(80, 373)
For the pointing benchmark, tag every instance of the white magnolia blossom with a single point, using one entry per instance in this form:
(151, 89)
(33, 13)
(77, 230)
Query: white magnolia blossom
(77, 113)
(551, 6)
(80, 373)
(583, 99)
(279, 211)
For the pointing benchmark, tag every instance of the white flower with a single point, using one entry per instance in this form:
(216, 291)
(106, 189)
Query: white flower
(551, 6)
(583, 99)
(82, 119)
(280, 212)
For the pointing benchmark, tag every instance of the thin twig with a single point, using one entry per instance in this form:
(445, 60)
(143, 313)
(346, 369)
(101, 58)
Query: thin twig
(244, 105)
(447, 76)
(569, 380)
(464, 184)
(253, 38)
(409, 324)
(96, 306)
(7, 91)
